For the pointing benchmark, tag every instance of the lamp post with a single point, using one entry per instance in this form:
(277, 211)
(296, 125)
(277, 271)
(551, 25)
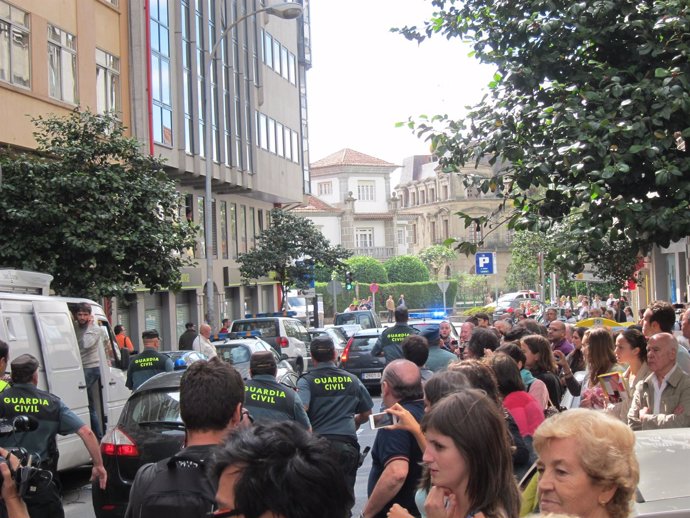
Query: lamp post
(287, 11)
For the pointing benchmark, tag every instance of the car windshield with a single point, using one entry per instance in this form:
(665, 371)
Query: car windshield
(233, 353)
(267, 327)
(153, 406)
(337, 334)
(363, 343)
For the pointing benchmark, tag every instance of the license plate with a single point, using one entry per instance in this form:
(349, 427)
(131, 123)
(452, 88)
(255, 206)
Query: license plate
(371, 375)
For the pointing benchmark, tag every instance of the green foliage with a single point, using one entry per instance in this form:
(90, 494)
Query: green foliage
(523, 270)
(281, 248)
(472, 287)
(406, 268)
(469, 312)
(365, 270)
(436, 258)
(92, 210)
(585, 119)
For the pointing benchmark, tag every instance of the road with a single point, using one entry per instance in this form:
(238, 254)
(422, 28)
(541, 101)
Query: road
(78, 503)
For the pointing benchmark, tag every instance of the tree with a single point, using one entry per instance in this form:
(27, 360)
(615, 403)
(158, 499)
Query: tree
(366, 269)
(288, 250)
(406, 268)
(436, 258)
(586, 117)
(91, 210)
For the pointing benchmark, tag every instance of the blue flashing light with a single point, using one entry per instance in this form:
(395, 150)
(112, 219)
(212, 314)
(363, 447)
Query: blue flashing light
(236, 335)
(429, 315)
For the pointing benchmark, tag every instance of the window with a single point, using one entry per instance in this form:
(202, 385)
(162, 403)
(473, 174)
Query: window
(414, 199)
(268, 49)
(432, 231)
(224, 228)
(160, 73)
(260, 216)
(62, 65)
(414, 233)
(401, 236)
(280, 148)
(444, 190)
(422, 197)
(288, 144)
(324, 188)
(15, 62)
(107, 82)
(271, 135)
(446, 229)
(295, 146)
(364, 237)
(252, 218)
(262, 130)
(366, 191)
(233, 229)
(292, 68)
(475, 234)
(432, 195)
(243, 228)
(284, 70)
(187, 76)
(201, 208)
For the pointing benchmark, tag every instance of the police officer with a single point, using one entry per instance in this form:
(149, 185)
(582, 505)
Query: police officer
(390, 341)
(4, 358)
(337, 403)
(53, 416)
(268, 400)
(149, 362)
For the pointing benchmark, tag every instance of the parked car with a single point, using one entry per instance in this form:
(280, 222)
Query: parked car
(149, 429)
(509, 302)
(238, 352)
(357, 358)
(286, 334)
(366, 318)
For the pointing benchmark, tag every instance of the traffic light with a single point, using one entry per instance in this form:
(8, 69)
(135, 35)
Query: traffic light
(348, 280)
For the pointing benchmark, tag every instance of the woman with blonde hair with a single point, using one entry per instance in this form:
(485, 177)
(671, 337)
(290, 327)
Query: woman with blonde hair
(587, 465)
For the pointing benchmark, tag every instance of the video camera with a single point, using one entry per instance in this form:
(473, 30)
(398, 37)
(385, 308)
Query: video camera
(28, 478)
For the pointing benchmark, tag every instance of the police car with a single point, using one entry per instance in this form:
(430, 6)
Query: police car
(422, 320)
(283, 331)
(356, 358)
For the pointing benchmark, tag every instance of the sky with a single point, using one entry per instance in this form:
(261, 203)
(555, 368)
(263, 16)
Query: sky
(364, 78)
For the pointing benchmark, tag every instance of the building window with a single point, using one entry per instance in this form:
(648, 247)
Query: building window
(413, 198)
(292, 68)
(444, 190)
(62, 65)
(432, 195)
(402, 236)
(271, 135)
(107, 82)
(233, 229)
(475, 234)
(224, 228)
(432, 231)
(243, 229)
(160, 73)
(201, 209)
(187, 76)
(260, 217)
(364, 237)
(288, 146)
(15, 62)
(422, 197)
(414, 233)
(366, 191)
(252, 219)
(446, 229)
(295, 147)
(324, 188)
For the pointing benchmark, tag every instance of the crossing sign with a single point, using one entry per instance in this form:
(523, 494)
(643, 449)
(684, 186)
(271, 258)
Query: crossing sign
(485, 263)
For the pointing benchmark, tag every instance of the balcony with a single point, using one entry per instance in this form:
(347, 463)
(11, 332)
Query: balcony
(378, 252)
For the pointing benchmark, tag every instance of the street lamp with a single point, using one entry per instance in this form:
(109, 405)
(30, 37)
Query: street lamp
(287, 11)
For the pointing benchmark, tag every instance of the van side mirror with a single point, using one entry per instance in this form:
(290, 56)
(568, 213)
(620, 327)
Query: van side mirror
(284, 357)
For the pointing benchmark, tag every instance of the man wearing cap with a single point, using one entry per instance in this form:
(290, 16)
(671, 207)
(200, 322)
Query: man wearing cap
(268, 400)
(337, 403)
(438, 358)
(52, 417)
(390, 341)
(186, 342)
(149, 362)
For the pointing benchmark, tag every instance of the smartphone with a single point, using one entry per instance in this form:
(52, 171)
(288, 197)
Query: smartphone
(383, 419)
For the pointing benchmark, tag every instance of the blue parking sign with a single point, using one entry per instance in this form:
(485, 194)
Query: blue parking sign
(485, 263)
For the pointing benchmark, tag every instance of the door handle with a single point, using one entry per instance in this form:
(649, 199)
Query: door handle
(112, 382)
(81, 386)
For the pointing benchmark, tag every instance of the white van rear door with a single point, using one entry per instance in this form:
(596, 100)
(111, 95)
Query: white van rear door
(61, 358)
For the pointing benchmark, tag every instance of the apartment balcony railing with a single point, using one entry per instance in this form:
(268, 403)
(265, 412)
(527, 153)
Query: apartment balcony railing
(377, 252)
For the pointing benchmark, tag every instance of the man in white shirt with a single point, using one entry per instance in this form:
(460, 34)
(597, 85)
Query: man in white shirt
(662, 400)
(660, 317)
(202, 343)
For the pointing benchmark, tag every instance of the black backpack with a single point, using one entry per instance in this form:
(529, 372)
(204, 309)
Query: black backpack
(180, 487)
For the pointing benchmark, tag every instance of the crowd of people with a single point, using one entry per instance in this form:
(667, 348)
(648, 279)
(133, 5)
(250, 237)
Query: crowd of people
(580, 308)
(473, 417)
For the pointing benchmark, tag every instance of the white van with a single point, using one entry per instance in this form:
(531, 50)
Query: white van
(35, 323)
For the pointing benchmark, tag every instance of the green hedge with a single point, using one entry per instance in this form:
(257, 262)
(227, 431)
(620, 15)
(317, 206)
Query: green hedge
(418, 295)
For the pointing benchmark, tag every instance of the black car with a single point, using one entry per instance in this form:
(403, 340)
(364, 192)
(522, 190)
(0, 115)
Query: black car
(357, 358)
(150, 428)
